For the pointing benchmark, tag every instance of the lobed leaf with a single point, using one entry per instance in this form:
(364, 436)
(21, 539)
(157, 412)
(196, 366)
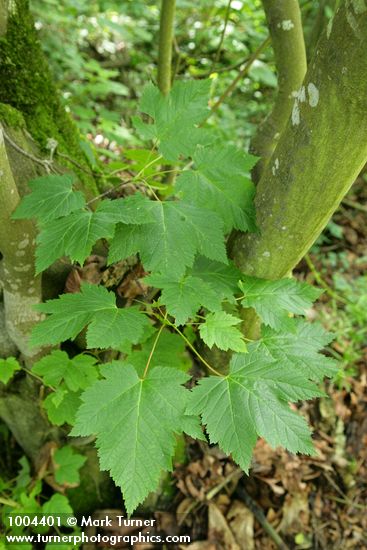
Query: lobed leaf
(170, 244)
(62, 405)
(8, 367)
(78, 372)
(94, 306)
(67, 465)
(224, 278)
(273, 300)
(220, 329)
(73, 235)
(135, 421)
(220, 182)
(175, 117)
(299, 349)
(238, 408)
(183, 298)
(51, 197)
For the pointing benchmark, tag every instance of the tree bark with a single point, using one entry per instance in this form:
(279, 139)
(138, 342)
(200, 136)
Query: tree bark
(320, 23)
(30, 108)
(21, 288)
(319, 155)
(285, 27)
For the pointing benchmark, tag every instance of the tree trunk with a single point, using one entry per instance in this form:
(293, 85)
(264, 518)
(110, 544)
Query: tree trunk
(21, 288)
(319, 155)
(285, 26)
(320, 23)
(32, 119)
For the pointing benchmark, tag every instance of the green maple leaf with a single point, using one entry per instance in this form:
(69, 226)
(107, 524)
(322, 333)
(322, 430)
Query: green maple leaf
(238, 408)
(73, 235)
(57, 505)
(170, 243)
(62, 405)
(78, 372)
(183, 298)
(220, 329)
(299, 349)
(288, 383)
(273, 300)
(51, 197)
(8, 368)
(220, 182)
(135, 421)
(67, 466)
(224, 278)
(175, 117)
(135, 209)
(94, 306)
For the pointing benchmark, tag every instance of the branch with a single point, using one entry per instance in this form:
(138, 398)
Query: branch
(165, 45)
(241, 74)
(260, 516)
(285, 27)
(223, 33)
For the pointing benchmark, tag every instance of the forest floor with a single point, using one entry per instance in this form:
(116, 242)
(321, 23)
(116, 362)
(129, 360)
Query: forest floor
(309, 502)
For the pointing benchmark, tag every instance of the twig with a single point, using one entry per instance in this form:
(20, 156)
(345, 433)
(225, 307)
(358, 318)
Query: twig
(355, 205)
(188, 343)
(46, 164)
(241, 74)
(213, 492)
(165, 45)
(260, 516)
(345, 498)
(226, 19)
(75, 163)
(105, 193)
(177, 60)
(9, 502)
(323, 283)
(225, 69)
(351, 504)
(28, 371)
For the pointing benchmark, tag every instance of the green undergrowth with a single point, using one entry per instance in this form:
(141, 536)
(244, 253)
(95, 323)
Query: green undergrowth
(138, 404)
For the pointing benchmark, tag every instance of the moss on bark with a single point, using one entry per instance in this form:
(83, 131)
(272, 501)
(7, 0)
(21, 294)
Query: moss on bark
(11, 117)
(26, 86)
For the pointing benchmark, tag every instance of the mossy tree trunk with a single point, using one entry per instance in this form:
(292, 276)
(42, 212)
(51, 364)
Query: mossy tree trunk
(29, 99)
(32, 119)
(319, 154)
